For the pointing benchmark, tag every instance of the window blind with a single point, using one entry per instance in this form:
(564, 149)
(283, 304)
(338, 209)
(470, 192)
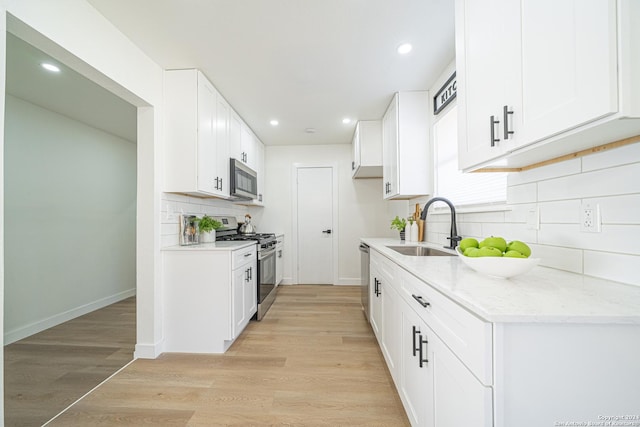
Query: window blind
(450, 182)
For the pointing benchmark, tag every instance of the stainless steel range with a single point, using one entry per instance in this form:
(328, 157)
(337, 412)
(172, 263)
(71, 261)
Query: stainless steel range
(266, 246)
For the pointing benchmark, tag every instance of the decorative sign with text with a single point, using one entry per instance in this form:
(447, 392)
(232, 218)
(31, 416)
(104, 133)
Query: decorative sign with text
(445, 95)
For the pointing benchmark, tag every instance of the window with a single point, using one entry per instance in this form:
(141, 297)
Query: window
(461, 188)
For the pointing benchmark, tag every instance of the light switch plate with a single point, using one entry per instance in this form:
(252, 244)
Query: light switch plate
(533, 219)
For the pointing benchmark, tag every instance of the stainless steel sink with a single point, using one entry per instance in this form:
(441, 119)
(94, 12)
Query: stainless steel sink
(419, 251)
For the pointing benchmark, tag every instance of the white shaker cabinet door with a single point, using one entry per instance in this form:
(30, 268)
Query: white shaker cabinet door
(569, 65)
(208, 179)
(459, 398)
(416, 383)
(390, 150)
(487, 51)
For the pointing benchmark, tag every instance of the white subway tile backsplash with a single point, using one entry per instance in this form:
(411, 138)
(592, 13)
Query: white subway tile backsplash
(619, 209)
(558, 258)
(524, 193)
(182, 204)
(554, 170)
(560, 212)
(613, 238)
(519, 213)
(608, 179)
(482, 217)
(617, 267)
(611, 158)
(612, 181)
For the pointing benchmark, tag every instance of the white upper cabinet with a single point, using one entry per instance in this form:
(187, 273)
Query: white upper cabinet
(406, 158)
(243, 142)
(248, 143)
(553, 76)
(196, 127)
(579, 39)
(367, 150)
(235, 135)
(486, 82)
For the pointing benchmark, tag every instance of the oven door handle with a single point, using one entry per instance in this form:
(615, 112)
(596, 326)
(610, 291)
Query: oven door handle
(266, 252)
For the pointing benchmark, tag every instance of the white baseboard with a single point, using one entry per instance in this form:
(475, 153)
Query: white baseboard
(348, 281)
(345, 281)
(148, 351)
(41, 325)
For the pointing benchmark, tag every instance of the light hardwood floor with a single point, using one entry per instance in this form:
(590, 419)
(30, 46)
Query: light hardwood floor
(312, 361)
(48, 371)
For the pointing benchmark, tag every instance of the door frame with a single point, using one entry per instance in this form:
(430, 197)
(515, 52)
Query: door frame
(334, 213)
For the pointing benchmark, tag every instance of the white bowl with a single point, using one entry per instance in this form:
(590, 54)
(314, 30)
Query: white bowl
(500, 267)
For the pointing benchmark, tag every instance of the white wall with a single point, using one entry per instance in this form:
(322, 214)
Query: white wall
(361, 210)
(69, 219)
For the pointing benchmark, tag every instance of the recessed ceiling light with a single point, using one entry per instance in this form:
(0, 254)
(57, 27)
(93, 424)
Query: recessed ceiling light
(346, 120)
(274, 122)
(50, 67)
(404, 48)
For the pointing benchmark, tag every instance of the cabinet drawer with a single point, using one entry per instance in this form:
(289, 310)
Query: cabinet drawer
(469, 337)
(387, 269)
(243, 256)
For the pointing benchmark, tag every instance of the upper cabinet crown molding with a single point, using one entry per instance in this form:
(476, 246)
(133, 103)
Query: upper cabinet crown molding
(550, 78)
(406, 147)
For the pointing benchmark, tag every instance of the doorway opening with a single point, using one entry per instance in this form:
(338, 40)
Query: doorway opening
(70, 167)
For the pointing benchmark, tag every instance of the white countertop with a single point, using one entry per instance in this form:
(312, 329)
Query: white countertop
(541, 295)
(231, 245)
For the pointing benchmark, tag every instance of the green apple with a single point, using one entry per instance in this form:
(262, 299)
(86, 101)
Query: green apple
(494, 242)
(513, 254)
(471, 252)
(468, 242)
(489, 251)
(519, 246)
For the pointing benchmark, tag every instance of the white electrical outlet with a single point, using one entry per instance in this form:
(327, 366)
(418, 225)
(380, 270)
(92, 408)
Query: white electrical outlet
(590, 220)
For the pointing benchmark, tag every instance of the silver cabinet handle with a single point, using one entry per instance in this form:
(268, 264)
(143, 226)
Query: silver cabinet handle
(505, 121)
(493, 122)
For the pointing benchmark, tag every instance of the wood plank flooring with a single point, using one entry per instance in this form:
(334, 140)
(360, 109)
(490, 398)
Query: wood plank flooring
(312, 361)
(48, 371)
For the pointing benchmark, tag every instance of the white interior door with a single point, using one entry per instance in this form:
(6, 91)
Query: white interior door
(315, 225)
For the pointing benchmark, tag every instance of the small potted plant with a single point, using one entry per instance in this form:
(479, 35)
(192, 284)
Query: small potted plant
(399, 224)
(208, 227)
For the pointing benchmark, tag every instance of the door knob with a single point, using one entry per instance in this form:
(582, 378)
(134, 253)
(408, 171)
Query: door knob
(327, 231)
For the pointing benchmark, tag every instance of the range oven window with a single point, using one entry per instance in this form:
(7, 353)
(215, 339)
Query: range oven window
(266, 272)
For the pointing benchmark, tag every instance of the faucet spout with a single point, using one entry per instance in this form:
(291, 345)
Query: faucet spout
(453, 237)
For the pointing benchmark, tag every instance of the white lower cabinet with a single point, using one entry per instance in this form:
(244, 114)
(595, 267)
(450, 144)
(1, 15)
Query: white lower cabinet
(244, 290)
(436, 388)
(416, 383)
(209, 296)
(391, 332)
(459, 398)
(454, 369)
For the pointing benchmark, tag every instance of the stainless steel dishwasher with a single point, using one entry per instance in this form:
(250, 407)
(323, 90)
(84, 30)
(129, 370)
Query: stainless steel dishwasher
(364, 278)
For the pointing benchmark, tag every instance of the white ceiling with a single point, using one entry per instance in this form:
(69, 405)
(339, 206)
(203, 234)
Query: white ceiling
(306, 63)
(67, 93)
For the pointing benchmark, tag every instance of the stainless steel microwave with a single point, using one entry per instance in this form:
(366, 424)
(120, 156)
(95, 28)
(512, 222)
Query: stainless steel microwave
(244, 181)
